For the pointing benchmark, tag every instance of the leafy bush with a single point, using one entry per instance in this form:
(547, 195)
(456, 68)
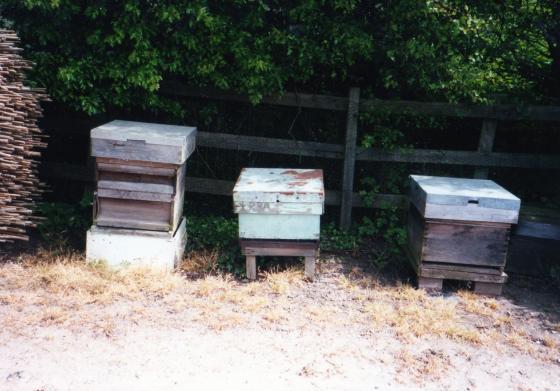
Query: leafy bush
(94, 55)
(336, 239)
(216, 233)
(64, 224)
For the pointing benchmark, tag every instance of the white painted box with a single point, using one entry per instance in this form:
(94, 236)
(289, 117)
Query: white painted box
(278, 203)
(121, 247)
(463, 199)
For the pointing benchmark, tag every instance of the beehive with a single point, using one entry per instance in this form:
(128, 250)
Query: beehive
(140, 183)
(459, 229)
(279, 204)
(140, 173)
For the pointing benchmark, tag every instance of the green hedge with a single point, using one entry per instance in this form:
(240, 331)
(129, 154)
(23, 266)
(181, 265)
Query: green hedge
(100, 54)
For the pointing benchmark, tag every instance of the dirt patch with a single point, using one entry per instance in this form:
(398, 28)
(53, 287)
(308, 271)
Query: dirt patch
(68, 325)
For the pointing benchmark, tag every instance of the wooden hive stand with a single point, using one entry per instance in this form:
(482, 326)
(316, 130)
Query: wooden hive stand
(279, 248)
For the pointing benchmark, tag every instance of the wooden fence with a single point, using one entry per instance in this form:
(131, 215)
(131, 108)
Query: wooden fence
(349, 153)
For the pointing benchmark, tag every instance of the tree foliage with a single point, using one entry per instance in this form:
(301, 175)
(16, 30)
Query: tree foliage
(97, 54)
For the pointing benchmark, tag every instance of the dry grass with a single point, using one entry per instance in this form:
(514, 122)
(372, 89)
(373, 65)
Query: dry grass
(282, 282)
(60, 289)
(429, 364)
(412, 314)
(200, 262)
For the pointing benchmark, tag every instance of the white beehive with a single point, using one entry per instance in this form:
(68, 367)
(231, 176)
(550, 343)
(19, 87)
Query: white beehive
(276, 203)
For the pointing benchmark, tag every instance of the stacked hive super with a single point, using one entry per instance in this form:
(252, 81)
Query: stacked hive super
(459, 229)
(279, 214)
(138, 204)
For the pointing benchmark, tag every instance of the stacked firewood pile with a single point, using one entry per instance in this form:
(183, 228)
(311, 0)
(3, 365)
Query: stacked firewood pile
(20, 142)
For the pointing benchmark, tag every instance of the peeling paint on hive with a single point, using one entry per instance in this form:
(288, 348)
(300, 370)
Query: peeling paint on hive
(279, 186)
(275, 203)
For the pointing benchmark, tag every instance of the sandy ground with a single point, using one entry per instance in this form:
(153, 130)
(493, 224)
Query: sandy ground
(86, 329)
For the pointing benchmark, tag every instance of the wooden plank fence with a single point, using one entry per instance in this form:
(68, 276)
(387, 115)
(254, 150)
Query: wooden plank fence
(349, 153)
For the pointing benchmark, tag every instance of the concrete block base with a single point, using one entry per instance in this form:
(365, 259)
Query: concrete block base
(121, 247)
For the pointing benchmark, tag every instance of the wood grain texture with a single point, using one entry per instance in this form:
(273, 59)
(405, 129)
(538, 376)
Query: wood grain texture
(463, 199)
(463, 268)
(251, 267)
(336, 151)
(279, 248)
(499, 111)
(140, 186)
(310, 268)
(462, 276)
(136, 169)
(125, 213)
(133, 150)
(349, 158)
(430, 284)
(466, 244)
(486, 144)
(134, 195)
(415, 236)
(179, 198)
(488, 288)
(143, 141)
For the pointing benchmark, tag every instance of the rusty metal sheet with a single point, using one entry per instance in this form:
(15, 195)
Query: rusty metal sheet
(279, 185)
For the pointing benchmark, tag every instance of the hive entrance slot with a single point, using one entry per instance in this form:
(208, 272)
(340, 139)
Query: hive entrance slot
(473, 202)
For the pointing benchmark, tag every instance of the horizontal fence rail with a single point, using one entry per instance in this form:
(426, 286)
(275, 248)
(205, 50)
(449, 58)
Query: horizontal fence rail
(336, 151)
(349, 153)
(317, 101)
(80, 173)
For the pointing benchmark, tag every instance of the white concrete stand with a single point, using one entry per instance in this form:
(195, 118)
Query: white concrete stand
(121, 247)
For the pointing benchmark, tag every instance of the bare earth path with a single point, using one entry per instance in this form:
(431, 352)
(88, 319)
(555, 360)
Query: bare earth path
(69, 326)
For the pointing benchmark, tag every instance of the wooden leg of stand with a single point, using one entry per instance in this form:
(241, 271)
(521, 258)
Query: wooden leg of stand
(430, 284)
(251, 263)
(488, 288)
(310, 268)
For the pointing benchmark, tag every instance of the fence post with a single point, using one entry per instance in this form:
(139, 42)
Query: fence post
(349, 158)
(485, 144)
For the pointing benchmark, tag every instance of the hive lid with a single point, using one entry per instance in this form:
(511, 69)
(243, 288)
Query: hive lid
(463, 199)
(279, 185)
(143, 141)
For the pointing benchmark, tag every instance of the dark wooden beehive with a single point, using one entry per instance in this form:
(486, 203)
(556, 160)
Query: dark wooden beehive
(140, 174)
(459, 229)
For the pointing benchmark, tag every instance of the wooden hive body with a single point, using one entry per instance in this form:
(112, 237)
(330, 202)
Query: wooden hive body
(279, 204)
(460, 228)
(140, 174)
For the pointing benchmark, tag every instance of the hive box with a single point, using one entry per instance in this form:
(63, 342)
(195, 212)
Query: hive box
(279, 204)
(140, 183)
(140, 173)
(459, 229)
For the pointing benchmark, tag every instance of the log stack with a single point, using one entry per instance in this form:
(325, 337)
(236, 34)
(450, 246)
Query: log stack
(20, 142)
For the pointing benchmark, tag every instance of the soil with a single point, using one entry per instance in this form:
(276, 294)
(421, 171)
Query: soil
(213, 333)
